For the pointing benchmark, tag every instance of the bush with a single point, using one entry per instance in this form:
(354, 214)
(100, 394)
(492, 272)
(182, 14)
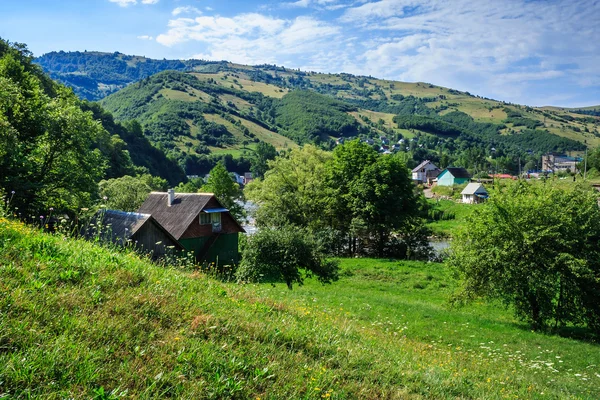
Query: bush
(287, 254)
(535, 248)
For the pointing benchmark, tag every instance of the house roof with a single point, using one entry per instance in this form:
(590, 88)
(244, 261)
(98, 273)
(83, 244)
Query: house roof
(474, 188)
(177, 217)
(119, 225)
(458, 172)
(424, 163)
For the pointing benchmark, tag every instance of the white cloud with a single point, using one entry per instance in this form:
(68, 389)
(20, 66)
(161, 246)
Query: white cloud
(145, 37)
(493, 48)
(507, 50)
(125, 3)
(185, 10)
(321, 4)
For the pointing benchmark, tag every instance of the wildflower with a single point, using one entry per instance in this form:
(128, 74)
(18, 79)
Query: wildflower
(104, 198)
(51, 208)
(12, 192)
(41, 217)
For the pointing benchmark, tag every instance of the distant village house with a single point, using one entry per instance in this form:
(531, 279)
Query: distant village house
(425, 172)
(453, 176)
(474, 193)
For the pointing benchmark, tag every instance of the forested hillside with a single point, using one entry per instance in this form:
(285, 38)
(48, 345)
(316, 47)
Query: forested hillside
(55, 148)
(219, 107)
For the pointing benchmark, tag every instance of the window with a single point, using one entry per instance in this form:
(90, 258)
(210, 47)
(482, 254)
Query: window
(210, 218)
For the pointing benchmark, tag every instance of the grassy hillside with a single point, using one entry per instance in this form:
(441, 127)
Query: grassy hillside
(225, 108)
(189, 116)
(82, 321)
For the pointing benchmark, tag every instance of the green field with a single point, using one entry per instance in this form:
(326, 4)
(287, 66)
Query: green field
(82, 321)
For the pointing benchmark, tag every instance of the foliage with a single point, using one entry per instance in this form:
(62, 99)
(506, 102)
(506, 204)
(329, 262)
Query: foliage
(306, 117)
(142, 153)
(127, 193)
(383, 200)
(360, 200)
(285, 254)
(263, 153)
(504, 254)
(48, 151)
(293, 191)
(427, 124)
(227, 191)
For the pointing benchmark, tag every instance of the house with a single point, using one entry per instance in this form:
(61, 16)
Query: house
(453, 176)
(248, 177)
(420, 173)
(198, 222)
(556, 163)
(130, 228)
(238, 178)
(474, 193)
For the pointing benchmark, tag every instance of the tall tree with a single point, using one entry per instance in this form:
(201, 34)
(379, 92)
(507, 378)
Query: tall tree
(226, 190)
(383, 200)
(263, 154)
(293, 190)
(46, 141)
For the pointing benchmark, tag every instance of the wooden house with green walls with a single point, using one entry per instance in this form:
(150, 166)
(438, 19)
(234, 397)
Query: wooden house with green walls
(199, 223)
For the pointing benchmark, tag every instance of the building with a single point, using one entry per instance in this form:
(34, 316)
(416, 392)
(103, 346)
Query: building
(425, 170)
(474, 193)
(453, 176)
(198, 222)
(248, 178)
(132, 229)
(557, 163)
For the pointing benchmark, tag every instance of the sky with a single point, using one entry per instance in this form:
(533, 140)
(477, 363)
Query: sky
(533, 52)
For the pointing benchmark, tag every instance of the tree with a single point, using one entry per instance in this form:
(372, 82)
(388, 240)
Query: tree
(535, 248)
(383, 199)
(226, 190)
(47, 143)
(263, 154)
(128, 192)
(287, 254)
(293, 191)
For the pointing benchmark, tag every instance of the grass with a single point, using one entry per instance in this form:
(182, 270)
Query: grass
(446, 228)
(82, 321)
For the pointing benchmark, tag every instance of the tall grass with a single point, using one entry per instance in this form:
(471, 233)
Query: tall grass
(78, 320)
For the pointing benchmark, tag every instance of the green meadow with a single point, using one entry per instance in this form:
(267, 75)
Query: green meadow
(78, 320)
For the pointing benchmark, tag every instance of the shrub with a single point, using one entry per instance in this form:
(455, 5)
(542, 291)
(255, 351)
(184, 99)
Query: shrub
(287, 254)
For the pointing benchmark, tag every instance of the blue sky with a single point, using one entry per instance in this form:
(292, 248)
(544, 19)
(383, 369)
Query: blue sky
(532, 52)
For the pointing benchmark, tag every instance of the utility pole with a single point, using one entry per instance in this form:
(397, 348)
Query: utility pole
(585, 164)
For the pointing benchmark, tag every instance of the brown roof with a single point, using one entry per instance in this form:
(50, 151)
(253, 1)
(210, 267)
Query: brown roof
(177, 217)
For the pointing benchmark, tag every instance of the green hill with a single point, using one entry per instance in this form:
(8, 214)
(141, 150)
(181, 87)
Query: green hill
(221, 107)
(82, 321)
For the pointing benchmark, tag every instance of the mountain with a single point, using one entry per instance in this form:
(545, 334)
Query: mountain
(199, 107)
(94, 75)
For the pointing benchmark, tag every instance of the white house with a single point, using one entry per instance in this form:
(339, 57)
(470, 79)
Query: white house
(424, 170)
(474, 193)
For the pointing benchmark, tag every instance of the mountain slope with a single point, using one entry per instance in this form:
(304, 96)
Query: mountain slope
(223, 108)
